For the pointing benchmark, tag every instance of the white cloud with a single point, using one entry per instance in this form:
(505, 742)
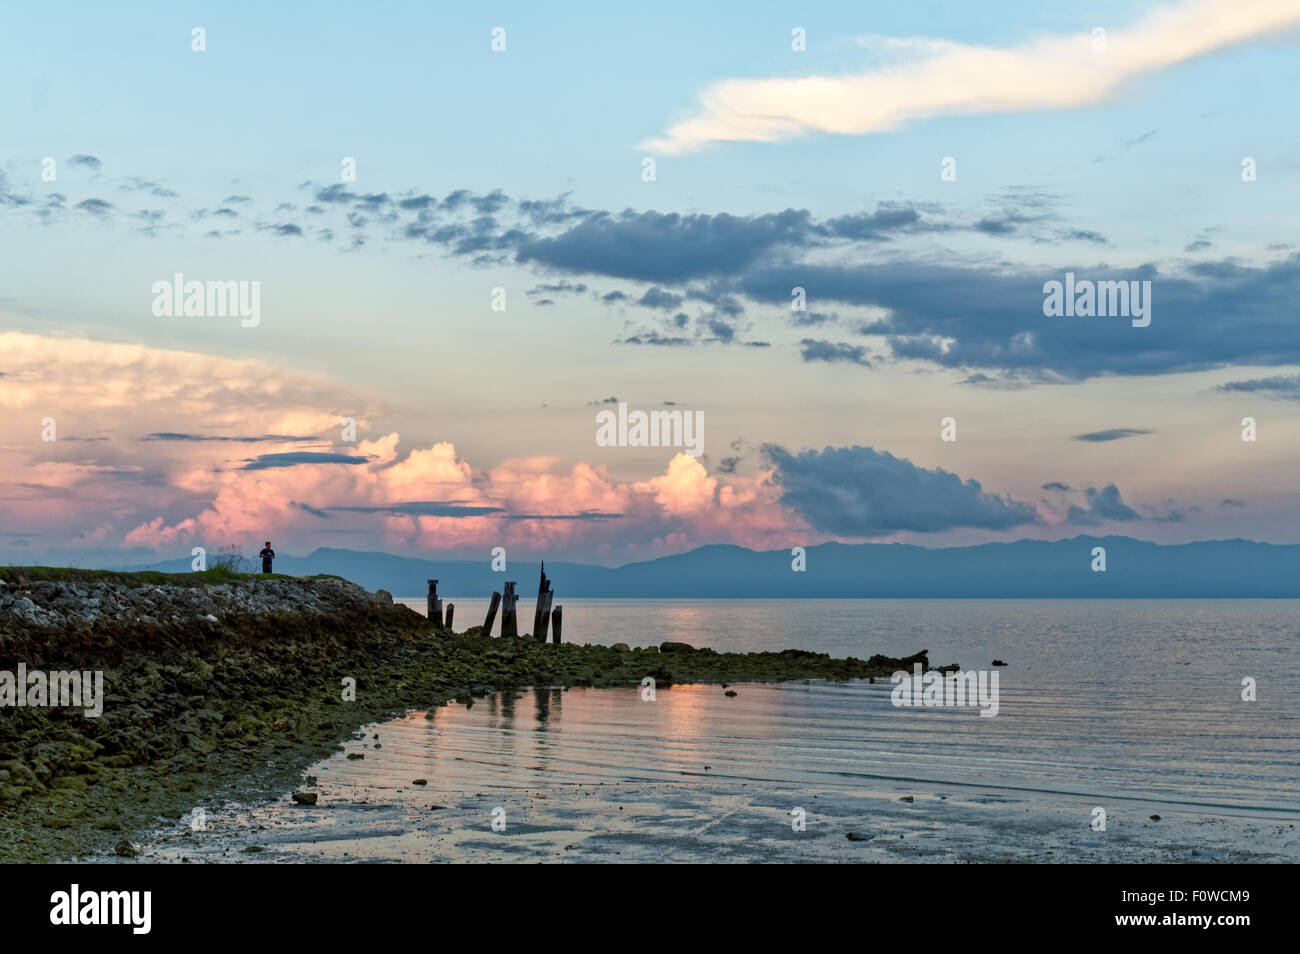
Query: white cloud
(950, 79)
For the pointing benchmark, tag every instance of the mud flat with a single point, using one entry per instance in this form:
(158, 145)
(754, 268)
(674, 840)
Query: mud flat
(219, 684)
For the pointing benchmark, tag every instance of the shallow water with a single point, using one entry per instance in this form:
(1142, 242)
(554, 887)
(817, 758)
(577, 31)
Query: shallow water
(1125, 697)
(1131, 705)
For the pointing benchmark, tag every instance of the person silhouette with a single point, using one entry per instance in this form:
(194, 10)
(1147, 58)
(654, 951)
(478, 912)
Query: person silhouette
(267, 556)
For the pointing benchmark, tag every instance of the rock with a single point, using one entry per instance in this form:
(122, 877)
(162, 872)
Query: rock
(907, 798)
(125, 849)
(384, 595)
(621, 648)
(1155, 818)
(421, 781)
(729, 693)
(671, 647)
(998, 662)
(854, 836)
(305, 798)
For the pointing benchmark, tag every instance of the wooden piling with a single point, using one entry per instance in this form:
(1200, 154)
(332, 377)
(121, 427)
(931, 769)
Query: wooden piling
(492, 614)
(435, 604)
(451, 609)
(557, 616)
(543, 609)
(509, 617)
(543, 618)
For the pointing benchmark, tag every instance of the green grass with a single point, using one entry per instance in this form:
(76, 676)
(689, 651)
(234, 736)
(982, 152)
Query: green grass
(63, 574)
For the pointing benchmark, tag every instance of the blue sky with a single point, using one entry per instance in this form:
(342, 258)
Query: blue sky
(379, 315)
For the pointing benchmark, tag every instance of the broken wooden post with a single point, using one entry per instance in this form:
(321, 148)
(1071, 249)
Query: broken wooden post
(492, 614)
(543, 618)
(451, 609)
(557, 616)
(509, 619)
(435, 604)
(542, 612)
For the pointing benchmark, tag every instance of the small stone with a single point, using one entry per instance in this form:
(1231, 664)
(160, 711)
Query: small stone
(907, 798)
(1155, 818)
(729, 693)
(305, 798)
(125, 849)
(421, 781)
(854, 836)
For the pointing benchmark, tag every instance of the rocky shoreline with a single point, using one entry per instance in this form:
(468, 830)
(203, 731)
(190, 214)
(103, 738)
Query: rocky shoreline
(222, 683)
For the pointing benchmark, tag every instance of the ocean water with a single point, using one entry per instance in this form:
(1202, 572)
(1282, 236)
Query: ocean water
(1138, 699)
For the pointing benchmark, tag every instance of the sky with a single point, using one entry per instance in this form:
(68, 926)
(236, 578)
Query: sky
(473, 230)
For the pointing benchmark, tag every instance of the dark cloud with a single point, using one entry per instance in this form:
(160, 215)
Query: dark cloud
(862, 492)
(878, 226)
(1232, 502)
(556, 288)
(654, 338)
(1215, 314)
(658, 247)
(86, 162)
(311, 510)
(1102, 505)
(608, 400)
(1285, 386)
(1114, 434)
(656, 297)
(812, 349)
(1056, 485)
(293, 458)
(94, 206)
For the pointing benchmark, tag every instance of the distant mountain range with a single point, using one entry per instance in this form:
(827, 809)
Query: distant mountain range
(1024, 569)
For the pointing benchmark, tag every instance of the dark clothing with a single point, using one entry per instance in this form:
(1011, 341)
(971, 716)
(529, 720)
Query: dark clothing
(267, 556)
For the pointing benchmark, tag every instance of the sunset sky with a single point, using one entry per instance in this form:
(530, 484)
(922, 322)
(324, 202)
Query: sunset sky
(524, 169)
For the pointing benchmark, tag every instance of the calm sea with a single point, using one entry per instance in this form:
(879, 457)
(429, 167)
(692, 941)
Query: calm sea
(1125, 698)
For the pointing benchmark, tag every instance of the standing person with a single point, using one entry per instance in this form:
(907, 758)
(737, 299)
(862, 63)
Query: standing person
(267, 556)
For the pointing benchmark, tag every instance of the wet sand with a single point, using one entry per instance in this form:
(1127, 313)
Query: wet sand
(703, 820)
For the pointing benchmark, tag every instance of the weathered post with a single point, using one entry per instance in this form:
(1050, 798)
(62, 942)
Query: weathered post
(509, 619)
(451, 609)
(543, 605)
(435, 604)
(492, 614)
(557, 616)
(544, 617)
